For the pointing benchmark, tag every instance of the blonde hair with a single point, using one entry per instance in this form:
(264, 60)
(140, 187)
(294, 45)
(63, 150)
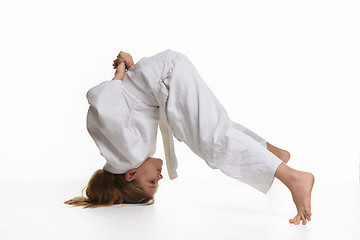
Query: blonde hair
(106, 189)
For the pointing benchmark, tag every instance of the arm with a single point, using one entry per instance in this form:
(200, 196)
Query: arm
(120, 72)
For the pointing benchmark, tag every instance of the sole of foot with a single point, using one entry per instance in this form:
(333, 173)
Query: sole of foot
(301, 192)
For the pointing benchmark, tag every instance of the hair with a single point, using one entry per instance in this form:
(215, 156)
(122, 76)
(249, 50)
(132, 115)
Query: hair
(106, 189)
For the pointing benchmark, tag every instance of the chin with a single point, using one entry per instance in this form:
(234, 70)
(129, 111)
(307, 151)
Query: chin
(158, 160)
(161, 161)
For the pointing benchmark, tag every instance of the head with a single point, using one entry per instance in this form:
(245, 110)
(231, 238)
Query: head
(136, 186)
(147, 175)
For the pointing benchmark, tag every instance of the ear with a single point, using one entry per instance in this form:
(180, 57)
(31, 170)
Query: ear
(130, 175)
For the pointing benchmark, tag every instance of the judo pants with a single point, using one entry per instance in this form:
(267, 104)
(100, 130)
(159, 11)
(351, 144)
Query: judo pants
(196, 117)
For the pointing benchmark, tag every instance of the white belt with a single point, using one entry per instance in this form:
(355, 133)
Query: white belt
(171, 161)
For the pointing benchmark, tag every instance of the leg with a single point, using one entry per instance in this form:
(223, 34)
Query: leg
(280, 153)
(283, 155)
(300, 185)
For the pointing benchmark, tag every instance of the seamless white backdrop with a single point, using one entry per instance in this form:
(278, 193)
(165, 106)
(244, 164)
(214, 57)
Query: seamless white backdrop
(289, 70)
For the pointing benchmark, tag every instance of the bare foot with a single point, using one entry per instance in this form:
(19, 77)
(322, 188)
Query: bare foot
(301, 189)
(280, 153)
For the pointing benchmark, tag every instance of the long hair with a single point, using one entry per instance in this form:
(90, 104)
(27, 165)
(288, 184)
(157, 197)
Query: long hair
(106, 189)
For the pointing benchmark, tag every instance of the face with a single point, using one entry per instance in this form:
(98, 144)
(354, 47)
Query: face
(147, 175)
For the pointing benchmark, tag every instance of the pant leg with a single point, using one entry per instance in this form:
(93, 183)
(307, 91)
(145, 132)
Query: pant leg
(250, 133)
(198, 118)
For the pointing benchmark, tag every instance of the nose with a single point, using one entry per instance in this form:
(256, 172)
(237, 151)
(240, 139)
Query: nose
(159, 175)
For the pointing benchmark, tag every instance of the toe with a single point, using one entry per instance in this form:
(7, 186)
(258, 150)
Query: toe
(303, 219)
(295, 220)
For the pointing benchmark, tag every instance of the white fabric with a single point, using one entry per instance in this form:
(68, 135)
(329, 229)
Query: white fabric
(171, 161)
(123, 119)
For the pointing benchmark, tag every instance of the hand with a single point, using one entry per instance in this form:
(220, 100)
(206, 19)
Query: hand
(120, 71)
(123, 57)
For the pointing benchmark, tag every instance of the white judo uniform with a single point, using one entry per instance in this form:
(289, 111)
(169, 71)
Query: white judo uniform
(166, 90)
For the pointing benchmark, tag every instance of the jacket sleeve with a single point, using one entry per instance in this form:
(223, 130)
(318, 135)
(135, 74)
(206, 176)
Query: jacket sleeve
(106, 122)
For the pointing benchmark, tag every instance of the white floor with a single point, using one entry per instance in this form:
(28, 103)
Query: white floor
(200, 204)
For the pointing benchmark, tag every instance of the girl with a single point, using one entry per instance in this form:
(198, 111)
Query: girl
(166, 91)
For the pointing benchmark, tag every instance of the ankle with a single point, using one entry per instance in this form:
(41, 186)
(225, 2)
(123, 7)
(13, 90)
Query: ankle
(294, 179)
(287, 175)
(299, 179)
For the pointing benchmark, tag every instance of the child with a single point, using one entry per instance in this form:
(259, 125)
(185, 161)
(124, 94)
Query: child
(166, 90)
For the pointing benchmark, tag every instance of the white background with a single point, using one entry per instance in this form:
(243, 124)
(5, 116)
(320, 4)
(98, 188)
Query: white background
(288, 70)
